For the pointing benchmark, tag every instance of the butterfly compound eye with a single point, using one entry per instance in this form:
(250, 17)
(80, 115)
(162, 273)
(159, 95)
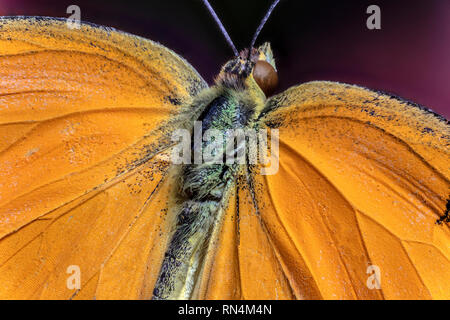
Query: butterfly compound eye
(265, 76)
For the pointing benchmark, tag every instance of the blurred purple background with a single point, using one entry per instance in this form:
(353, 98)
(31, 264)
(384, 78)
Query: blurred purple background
(312, 40)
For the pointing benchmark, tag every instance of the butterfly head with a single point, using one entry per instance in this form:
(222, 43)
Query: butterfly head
(245, 69)
(264, 70)
(250, 67)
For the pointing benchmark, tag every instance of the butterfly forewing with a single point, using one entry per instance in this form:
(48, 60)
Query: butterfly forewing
(363, 179)
(82, 113)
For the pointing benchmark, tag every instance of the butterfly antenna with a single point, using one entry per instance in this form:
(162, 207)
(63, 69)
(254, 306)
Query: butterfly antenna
(263, 22)
(222, 28)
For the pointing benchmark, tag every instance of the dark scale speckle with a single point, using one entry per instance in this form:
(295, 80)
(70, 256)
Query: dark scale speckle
(446, 216)
(173, 100)
(410, 103)
(428, 130)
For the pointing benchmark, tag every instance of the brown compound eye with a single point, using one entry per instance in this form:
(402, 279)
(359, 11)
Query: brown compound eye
(265, 76)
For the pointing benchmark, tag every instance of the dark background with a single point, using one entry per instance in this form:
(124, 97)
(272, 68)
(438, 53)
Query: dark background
(312, 40)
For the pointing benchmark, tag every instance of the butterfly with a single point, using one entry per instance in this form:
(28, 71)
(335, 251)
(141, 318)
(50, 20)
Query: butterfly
(353, 204)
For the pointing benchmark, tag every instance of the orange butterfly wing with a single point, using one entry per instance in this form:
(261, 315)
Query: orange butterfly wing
(241, 262)
(363, 178)
(82, 115)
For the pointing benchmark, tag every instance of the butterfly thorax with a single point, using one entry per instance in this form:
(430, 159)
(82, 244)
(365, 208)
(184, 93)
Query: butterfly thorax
(232, 104)
(205, 186)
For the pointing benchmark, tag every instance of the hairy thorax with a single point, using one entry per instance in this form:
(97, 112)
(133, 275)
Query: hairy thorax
(204, 188)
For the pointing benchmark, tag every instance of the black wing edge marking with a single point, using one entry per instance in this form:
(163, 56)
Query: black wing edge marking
(272, 106)
(446, 216)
